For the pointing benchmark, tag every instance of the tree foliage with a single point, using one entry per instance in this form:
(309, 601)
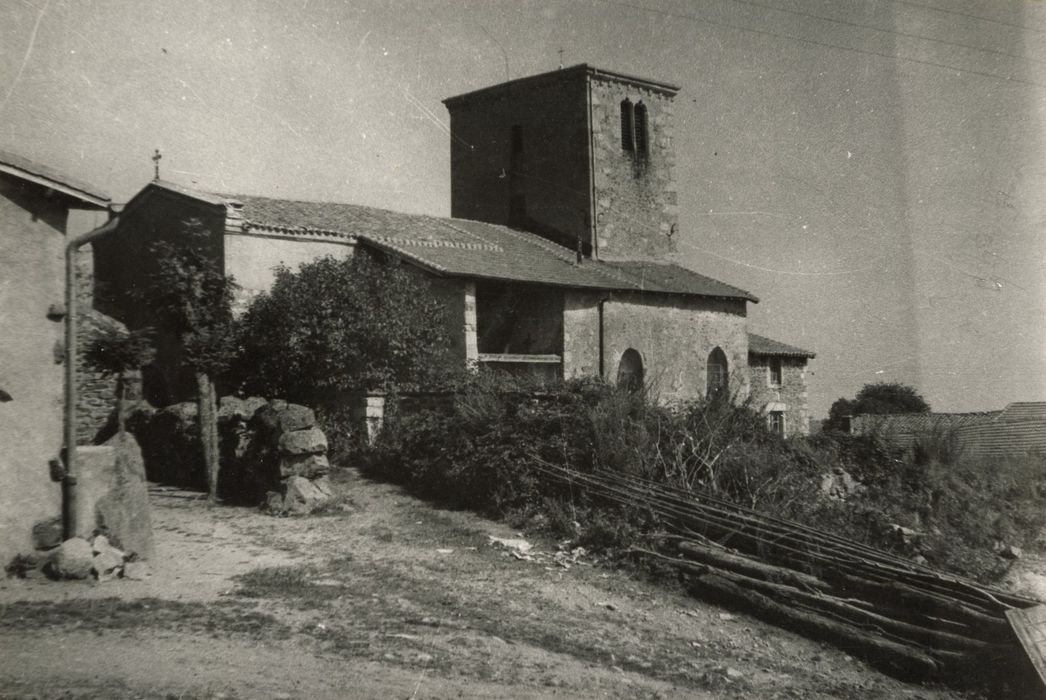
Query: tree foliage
(191, 296)
(342, 325)
(877, 399)
(114, 350)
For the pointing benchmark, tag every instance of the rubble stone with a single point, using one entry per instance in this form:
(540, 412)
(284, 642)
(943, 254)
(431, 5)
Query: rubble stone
(295, 417)
(310, 441)
(72, 560)
(47, 534)
(303, 496)
(107, 564)
(310, 466)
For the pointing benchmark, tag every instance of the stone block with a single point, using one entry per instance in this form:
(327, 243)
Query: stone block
(112, 495)
(295, 417)
(310, 441)
(303, 496)
(310, 466)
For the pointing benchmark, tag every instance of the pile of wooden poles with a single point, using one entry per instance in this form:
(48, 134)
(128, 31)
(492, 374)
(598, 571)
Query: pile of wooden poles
(905, 617)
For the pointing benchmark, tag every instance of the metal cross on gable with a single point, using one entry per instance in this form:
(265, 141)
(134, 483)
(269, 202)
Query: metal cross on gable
(156, 164)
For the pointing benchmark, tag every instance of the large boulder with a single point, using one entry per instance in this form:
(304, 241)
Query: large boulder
(302, 496)
(123, 512)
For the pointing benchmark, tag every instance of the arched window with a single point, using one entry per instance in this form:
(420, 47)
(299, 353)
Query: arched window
(718, 374)
(628, 141)
(639, 126)
(630, 371)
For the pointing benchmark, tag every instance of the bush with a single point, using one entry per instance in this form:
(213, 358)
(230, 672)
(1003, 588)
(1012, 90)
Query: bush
(487, 454)
(341, 325)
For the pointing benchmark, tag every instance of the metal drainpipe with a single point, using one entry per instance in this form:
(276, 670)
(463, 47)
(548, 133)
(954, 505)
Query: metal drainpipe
(602, 361)
(69, 477)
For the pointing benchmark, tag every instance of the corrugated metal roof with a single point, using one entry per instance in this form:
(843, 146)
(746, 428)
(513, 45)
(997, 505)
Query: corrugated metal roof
(1004, 436)
(464, 248)
(978, 433)
(903, 428)
(761, 345)
(1024, 410)
(19, 165)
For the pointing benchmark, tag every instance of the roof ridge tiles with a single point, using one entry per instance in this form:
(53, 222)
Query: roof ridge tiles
(429, 243)
(297, 230)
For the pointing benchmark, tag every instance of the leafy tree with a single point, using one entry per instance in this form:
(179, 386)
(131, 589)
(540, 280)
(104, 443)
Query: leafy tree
(879, 398)
(191, 297)
(342, 325)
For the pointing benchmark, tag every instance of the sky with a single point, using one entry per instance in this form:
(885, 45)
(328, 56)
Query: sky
(873, 170)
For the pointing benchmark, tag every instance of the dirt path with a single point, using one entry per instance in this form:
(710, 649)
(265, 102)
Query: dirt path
(391, 598)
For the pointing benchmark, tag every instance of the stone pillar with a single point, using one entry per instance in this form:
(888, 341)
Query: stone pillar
(368, 413)
(471, 341)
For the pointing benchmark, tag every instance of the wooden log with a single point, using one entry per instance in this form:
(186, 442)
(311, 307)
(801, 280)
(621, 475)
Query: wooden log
(900, 596)
(749, 567)
(902, 659)
(866, 619)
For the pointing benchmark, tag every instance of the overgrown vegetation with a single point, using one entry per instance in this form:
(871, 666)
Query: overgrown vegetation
(113, 353)
(342, 325)
(485, 454)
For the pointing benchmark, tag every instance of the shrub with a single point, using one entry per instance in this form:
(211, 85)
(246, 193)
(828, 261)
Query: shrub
(341, 325)
(487, 452)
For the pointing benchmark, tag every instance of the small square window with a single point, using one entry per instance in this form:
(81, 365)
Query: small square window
(775, 371)
(775, 421)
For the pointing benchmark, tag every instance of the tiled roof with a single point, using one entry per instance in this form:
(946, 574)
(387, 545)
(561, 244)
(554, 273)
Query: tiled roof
(760, 345)
(464, 248)
(18, 165)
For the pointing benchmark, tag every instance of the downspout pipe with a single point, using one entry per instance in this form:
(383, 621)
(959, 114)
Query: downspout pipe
(69, 512)
(602, 339)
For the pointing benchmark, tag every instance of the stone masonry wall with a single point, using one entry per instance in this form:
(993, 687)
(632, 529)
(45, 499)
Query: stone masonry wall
(569, 125)
(790, 396)
(96, 393)
(673, 335)
(636, 201)
(549, 174)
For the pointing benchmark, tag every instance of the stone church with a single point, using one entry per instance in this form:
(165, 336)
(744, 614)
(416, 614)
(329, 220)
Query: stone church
(558, 258)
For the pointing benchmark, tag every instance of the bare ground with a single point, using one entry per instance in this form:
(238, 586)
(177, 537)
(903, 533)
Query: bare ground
(392, 598)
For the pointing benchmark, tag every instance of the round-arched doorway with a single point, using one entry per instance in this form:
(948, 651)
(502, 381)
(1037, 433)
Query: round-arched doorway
(630, 370)
(717, 374)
